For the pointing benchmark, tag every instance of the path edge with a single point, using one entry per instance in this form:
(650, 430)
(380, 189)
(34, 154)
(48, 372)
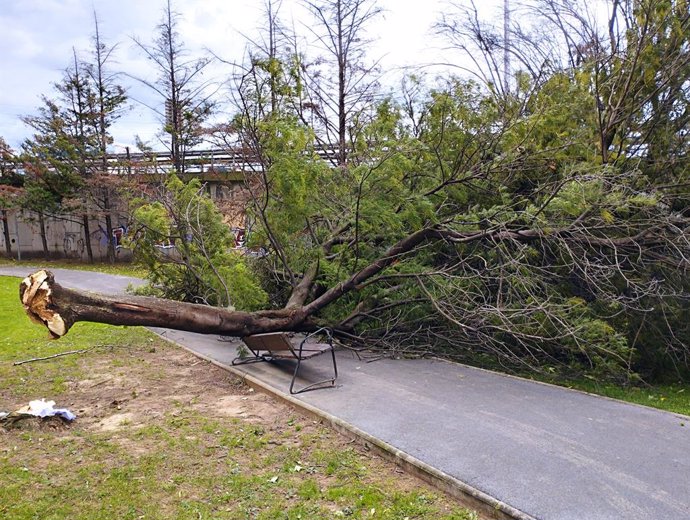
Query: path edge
(469, 496)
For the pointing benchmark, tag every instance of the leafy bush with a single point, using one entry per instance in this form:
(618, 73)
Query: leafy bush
(180, 237)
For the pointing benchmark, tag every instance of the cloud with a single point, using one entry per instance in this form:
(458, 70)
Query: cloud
(38, 36)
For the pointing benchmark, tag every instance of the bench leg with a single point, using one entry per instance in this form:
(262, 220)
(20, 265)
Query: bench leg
(254, 358)
(318, 384)
(247, 360)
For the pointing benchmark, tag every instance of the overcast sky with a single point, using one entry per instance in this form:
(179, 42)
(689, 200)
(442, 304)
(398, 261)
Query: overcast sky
(37, 36)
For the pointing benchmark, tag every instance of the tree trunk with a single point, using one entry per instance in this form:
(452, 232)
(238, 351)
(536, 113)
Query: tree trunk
(44, 239)
(301, 291)
(6, 232)
(342, 111)
(87, 237)
(58, 308)
(109, 233)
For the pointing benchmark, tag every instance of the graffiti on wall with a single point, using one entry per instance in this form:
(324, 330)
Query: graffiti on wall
(118, 234)
(64, 237)
(73, 245)
(101, 236)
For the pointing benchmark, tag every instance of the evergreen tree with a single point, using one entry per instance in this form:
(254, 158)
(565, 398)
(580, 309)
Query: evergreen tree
(185, 100)
(66, 161)
(107, 101)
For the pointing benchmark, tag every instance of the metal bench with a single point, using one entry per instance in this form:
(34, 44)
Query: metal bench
(278, 345)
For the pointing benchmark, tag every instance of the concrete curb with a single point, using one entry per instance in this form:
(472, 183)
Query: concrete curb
(469, 496)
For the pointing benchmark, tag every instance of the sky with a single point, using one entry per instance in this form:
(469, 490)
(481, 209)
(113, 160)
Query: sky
(37, 38)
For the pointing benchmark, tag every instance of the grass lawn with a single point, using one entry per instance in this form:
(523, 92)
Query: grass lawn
(161, 434)
(672, 398)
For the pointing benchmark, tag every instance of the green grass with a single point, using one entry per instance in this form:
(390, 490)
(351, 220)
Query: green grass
(126, 269)
(672, 398)
(20, 339)
(170, 456)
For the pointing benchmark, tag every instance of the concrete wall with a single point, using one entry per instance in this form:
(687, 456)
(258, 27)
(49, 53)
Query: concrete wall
(65, 237)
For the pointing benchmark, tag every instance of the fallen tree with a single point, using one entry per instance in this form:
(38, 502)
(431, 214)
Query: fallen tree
(578, 286)
(538, 228)
(600, 262)
(58, 308)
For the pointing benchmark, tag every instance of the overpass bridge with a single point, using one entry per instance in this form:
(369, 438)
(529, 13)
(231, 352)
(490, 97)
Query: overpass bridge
(231, 160)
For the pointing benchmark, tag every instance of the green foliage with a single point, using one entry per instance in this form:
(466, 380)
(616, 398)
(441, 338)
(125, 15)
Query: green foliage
(9, 162)
(65, 160)
(185, 246)
(451, 166)
(49, 159)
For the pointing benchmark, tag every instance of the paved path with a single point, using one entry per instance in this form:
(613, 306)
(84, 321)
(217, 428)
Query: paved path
(545, 452)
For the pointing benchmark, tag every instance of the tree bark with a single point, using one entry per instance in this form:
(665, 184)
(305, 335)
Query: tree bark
(58, 308)
(301, 292)
(6, 232)
(109, 233)
(44, 239)
(87, 237)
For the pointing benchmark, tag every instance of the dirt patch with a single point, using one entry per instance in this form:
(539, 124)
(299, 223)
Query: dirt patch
(131, 386)
(189, 432)
(115, 422)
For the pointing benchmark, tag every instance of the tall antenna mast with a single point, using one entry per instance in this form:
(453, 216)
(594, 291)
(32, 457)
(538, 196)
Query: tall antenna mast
(506, 45)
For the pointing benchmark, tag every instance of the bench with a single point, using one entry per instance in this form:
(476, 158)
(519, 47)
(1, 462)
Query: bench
(272, 346)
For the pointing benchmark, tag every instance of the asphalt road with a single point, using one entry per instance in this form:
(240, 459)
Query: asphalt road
(548, 452)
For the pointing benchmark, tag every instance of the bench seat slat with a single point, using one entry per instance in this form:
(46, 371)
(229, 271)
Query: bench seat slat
(308, 351)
